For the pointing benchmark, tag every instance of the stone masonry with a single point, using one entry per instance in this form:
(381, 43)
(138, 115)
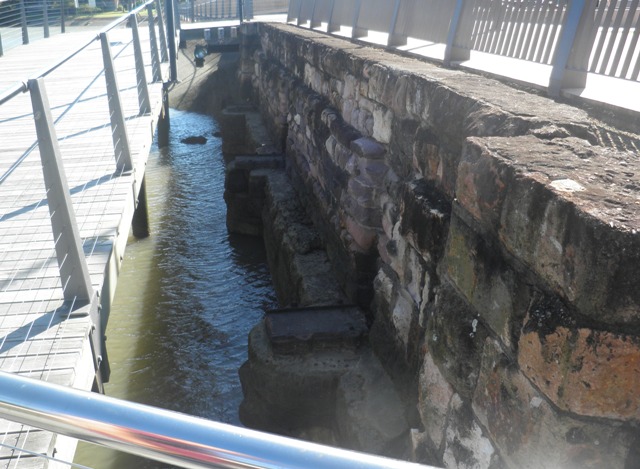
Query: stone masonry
(491, 234)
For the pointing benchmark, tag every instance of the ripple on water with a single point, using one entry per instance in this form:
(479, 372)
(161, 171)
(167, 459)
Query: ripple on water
(187, 296)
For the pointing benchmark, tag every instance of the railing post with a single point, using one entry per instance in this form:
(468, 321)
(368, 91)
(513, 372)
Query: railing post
(118, 127)
(331, 26)
(155, 58)
(45, 18)
(394, 38)
(63, 17)
(1, 50)
(240, 16)
(300, 3)
(23, 22)
(161, 30)
(192, 10)
(171, 30)
(355, 31)
(312, 21)
(72, 263)
(144, 102)
(559, 77)
(451, 52)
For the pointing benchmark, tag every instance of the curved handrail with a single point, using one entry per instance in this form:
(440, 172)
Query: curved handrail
(167, 436)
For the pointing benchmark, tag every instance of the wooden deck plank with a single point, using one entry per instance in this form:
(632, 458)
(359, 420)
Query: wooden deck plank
(37, 336)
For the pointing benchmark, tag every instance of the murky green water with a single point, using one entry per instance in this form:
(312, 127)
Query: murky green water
(187, 295)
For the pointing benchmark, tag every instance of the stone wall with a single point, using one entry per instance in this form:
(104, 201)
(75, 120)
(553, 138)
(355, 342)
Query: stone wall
(492, 235)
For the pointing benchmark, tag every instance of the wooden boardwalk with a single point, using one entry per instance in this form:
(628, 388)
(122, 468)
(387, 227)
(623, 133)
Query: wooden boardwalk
(42, 335)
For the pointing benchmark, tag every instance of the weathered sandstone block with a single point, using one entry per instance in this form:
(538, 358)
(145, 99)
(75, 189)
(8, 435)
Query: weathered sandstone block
(588, 372)
(567, 210)
(487, 280)
(533, 434)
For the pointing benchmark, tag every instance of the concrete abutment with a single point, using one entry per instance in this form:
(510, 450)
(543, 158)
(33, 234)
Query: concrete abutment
(489, 235)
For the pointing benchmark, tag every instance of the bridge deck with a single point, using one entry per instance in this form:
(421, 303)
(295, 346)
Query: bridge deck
(38, 335)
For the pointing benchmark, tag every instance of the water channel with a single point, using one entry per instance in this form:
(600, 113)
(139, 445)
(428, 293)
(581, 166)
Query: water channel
(187, 296)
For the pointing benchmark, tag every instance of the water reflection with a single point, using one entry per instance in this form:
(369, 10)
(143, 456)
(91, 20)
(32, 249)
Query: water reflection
(187, 295)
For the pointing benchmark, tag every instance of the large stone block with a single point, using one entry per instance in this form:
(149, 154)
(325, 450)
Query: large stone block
(466, 446)
(499, 294)
(369, 411)
(434, 398)
(455, 339)
(584, 371)
(424, 218)
(567, 210)
(530, 433)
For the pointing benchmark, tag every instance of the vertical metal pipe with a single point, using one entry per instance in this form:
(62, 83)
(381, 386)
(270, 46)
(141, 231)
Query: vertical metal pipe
(1, 50)
(23, 22)
(118, 127)
(171, 30)
(449, 54)
(565, 45)
(63, 17)
(45, 18)
(72, 263)
(161, 31)
(144, 103)
(240, 10)
(155, 57)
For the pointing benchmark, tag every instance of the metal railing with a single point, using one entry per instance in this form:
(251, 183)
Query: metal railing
(167, 436)
(574, 37)
(23, 21)
(74, 275)
(193, 11)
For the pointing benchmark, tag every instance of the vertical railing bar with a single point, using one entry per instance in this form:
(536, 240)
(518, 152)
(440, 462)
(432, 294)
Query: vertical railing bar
(488, 29)
(354, 20)
(45, 18)
(1, 50)
(331, 27)
(71, 259)
(299, 19)
(521, 34)
(547, 21)
(556, 21)
(537, 39)
(453, 31)
(626, 29)
(118, 125)
(633, 44)
(614, 33)
(517, 31)
(163, 38)
(144, 103)
(63, 17)
(171, 29)
(527, 40)
(23, 22)
(575, 14)
(480, 23)
(603, 38)
(155, 58)
(394, 38)
(500, 36)
(528, 31)
(493, 28)
(312, 22)
(510, 30)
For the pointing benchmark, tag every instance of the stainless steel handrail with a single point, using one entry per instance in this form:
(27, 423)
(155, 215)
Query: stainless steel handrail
(164, 435)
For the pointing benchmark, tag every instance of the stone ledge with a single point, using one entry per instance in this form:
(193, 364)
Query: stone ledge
(568, 210)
